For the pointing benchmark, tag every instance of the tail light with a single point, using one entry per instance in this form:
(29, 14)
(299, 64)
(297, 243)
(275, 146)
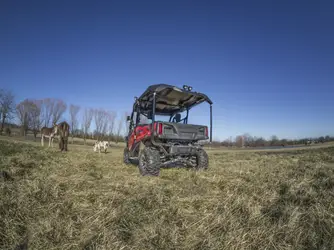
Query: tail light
(160, 128)
(206, 132)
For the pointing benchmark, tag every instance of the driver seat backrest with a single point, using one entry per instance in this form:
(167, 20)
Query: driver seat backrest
(177, 118)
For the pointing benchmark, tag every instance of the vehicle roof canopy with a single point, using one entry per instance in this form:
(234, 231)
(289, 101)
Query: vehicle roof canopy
(169, 99)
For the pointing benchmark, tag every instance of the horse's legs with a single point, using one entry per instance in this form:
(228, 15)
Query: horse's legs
(42, 141)
(65, 143)
(61, 143)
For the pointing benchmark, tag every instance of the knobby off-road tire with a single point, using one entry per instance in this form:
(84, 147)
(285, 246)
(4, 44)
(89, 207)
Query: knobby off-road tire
(202, 160)
(149, 162)
(126, 158)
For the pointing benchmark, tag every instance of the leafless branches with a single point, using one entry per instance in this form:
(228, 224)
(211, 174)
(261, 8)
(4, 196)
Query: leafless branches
(101, 122)
(58, 110)
(46, 111)
(87, 120)
(34, 115)
(120, 126)
(28, 113)
(22, 115)
(74, 110)
(7, 106)
(111, 123)
(52, 110)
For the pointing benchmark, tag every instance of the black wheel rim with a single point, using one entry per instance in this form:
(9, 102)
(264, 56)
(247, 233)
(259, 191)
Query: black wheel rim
(143, 161)
(142, 164)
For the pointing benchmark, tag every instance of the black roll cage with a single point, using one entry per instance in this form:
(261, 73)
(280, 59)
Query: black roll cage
(136, 108)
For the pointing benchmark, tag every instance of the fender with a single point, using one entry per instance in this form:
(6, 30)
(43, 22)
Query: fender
(138, 134)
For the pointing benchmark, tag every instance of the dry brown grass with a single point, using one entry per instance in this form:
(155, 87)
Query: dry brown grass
(246, 200)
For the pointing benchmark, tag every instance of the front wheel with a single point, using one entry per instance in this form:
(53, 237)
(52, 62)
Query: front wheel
(202, 160)
(149, 162)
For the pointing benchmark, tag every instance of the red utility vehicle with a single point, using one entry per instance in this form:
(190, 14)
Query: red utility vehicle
(154, 143)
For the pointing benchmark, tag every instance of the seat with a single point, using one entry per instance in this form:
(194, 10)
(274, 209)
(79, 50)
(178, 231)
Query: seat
(177, 118)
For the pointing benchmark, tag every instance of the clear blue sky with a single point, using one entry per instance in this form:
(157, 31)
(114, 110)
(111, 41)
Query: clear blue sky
(268, 67)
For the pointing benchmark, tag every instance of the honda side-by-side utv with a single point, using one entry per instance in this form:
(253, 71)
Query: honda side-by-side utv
(154, 144)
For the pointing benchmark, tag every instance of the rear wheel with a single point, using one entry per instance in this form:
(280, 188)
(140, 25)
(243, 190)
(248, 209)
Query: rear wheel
(202, 160)
(126, 158)
(149, 162)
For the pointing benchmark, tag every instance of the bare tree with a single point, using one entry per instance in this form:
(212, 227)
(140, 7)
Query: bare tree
(248, 140)
(86, 121)
(22, 115)
(52, 110)
(74, 110)
(274, 140)
(46, 111)
(101, 123)
(28, 113)
(34, 116)
(7, 107)
(58, 110)
(111, 124)
(120, 126)
(239, 141)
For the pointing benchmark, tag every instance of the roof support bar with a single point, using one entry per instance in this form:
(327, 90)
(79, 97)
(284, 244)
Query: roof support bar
(210, 123)
(153, 116)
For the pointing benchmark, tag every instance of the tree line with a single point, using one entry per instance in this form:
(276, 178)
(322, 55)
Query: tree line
(33, 114)
(247, 140)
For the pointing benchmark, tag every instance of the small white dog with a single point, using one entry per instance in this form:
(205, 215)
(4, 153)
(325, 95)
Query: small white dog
(99, 145)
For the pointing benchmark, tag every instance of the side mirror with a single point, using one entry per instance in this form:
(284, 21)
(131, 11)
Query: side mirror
(128, 118)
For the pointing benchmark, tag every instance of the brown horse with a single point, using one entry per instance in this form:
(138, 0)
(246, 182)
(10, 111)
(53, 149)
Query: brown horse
(63, 131)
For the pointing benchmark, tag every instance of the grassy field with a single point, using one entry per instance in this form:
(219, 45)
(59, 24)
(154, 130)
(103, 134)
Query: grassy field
(279, 199)
(30, 138)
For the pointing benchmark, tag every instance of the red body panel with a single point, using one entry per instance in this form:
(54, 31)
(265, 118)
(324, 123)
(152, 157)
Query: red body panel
(143, 132)
(138, 134)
